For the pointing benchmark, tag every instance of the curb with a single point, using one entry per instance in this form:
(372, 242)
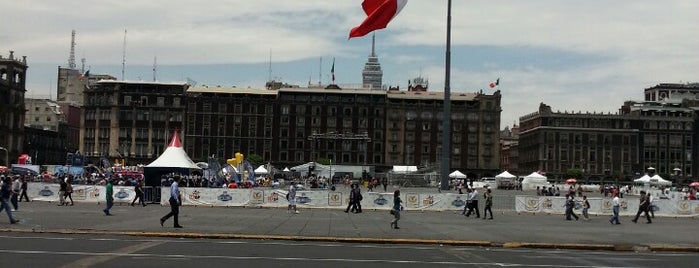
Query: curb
(400, 241)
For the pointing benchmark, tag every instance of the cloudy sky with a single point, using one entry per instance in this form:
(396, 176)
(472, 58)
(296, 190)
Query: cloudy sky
(573, 55)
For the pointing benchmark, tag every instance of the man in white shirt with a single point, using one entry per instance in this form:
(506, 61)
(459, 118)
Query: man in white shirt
(615, 211)
(292, 198)
(473, 196)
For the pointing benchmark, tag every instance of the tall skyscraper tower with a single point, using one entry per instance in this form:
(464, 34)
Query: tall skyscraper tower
(372, 73)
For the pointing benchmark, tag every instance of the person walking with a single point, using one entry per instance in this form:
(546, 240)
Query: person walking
(15, 189)
(643, 205)
(175, 203)
(488, 197)
(615, 211)
(109, 195)
(358, 199)
(62, 191)
(139, 194)
(570, 205)
(5, 194)
(586, 207)
(395, 210)
(467, 207)
(473, 196)
(650, 205)
(350, 205)
(24, 191)
(69, 191)
(292, 198)
(384, 182)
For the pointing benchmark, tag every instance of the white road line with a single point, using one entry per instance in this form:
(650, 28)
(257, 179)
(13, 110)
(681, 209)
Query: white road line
(100, 257)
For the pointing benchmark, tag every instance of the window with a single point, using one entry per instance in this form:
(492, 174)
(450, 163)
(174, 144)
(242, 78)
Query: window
(160, 101)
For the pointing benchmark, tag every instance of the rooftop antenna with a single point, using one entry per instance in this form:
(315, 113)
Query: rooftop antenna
(155, 64)
(373, 43)
(320, 71)
(71, 57)
(270, 65)
(123, 57)
(82, 65)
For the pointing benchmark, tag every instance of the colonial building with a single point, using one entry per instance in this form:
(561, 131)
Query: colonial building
(129, 120)
(610, 147)
(667, 136)
(43, 114)
(45, 146)
(13, 73)
(509, 152)
(289, 126)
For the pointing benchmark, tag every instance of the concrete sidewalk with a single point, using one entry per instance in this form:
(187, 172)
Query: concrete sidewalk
(508, 229)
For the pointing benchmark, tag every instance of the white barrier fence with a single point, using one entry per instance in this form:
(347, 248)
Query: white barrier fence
(627, 206)
(372, 200)
(81, 193)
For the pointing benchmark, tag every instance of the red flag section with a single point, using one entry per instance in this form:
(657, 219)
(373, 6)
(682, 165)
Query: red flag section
(379, 14)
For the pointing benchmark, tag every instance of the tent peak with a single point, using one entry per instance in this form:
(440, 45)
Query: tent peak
(175, 142)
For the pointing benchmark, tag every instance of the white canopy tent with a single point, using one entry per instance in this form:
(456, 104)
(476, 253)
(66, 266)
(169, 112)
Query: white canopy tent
(506, 174)
(643, 180)
(655, 180)
(533, 180)
(173, 157)
(457, 175)
(261, 170)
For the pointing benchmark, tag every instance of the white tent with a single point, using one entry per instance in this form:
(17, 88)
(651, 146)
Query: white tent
(643, 180)
(457, 175)
(533, 180)
(506, 174)
(173, 157)
(656, 179)
(286, 169)
(261, 170)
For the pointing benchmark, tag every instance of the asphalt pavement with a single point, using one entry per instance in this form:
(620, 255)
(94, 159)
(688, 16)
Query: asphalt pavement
(508, 229)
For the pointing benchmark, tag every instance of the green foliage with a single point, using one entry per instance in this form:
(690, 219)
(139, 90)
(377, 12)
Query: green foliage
(574, 173)
(255, 159)
(323, 161)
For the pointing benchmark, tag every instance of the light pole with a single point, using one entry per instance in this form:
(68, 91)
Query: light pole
(7, 156)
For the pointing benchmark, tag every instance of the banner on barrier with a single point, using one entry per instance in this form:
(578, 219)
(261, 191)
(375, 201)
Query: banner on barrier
(627, 206)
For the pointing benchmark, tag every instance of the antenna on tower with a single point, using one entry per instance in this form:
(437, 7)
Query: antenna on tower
(320, 71)
(123, 57)
(270, 65)
(155, 64)
(373, 45)
(71, 57)
(82, 65)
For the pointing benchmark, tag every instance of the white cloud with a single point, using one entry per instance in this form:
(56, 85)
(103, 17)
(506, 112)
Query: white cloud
(634, 43)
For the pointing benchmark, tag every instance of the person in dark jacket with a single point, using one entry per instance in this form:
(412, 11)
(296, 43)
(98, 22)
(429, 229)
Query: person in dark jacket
(139, 194)
(643, 206)
(5, 194)
(395, 210)
(350, 204)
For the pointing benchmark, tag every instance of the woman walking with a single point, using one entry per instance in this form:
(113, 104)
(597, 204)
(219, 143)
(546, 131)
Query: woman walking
(488, 196)
(396, 209)
(586, 207)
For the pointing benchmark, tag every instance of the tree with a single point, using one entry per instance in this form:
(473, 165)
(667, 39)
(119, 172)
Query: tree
(254, 159)
(323, 161)
(574, 173)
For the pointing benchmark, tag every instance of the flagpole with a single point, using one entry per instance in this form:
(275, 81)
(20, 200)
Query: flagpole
(446, 120)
